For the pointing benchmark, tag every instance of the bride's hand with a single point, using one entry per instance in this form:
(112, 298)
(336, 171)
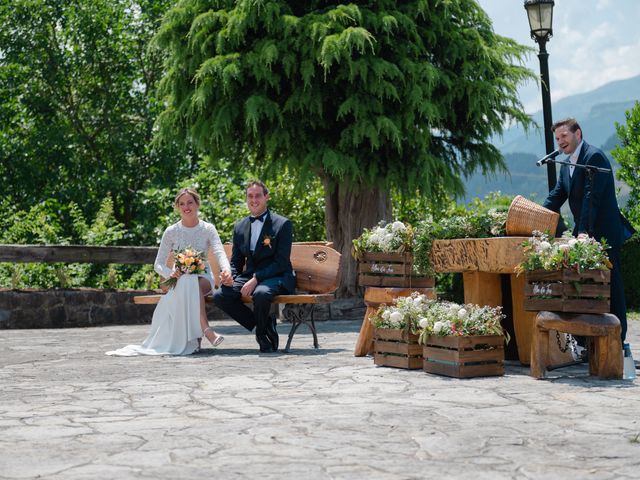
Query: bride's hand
(226, 278)
(176, 274)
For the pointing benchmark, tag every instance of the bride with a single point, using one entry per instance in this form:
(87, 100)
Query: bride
(180, 319)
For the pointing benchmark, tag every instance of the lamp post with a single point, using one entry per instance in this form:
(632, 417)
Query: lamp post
(540, 13)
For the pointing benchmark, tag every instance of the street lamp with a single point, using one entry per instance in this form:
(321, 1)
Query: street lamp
(540, 13)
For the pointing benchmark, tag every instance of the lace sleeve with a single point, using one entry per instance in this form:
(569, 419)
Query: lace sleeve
(160, 264)
(216, 245)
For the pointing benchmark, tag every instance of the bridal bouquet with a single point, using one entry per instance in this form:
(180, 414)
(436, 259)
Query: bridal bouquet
(187, 261)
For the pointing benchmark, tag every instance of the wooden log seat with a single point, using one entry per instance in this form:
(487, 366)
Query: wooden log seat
(317, 268)
(603, 336)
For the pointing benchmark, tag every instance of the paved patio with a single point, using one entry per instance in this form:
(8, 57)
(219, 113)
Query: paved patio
(67, 411)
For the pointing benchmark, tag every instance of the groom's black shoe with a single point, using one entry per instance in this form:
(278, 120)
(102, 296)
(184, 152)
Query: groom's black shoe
(272, 333)
(264, 343)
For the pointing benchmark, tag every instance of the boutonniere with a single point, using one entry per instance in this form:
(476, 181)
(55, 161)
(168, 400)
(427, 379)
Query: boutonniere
(267, 241)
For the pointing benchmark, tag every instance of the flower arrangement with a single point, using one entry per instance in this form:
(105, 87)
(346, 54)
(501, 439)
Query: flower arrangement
(187, 261)
(395, 237)
(430, 317)
(543, 252)
(406, 312)
(452, 319)
(448, 318)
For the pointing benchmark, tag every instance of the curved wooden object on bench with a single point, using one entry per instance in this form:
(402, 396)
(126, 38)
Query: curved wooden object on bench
(317, 268)
(603, 332)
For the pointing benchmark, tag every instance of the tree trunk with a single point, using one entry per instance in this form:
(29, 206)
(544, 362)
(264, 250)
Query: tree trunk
(349, 210)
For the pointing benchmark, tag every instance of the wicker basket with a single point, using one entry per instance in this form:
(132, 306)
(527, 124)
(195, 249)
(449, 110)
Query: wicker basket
(525, 216)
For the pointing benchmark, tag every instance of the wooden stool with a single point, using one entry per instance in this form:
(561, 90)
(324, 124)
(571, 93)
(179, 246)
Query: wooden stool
(605, 346)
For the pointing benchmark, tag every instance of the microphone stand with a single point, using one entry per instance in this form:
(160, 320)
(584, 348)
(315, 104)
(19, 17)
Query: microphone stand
(589, 170)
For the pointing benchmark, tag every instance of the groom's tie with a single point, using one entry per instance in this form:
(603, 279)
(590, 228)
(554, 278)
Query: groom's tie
(260, 218)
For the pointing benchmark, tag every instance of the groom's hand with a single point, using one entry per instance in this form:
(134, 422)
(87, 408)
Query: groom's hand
(248, 288)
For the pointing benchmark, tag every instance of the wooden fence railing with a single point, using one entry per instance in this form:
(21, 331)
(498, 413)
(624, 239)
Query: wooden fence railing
(76, 254)
(88, 254)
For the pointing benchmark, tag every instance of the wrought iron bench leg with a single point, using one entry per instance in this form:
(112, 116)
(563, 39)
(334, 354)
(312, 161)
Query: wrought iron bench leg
(297, 315)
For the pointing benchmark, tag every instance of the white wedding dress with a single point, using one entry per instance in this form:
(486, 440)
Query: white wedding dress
(175, 327)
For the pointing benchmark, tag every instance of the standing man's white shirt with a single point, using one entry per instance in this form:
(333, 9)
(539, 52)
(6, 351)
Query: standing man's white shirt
(574, 158)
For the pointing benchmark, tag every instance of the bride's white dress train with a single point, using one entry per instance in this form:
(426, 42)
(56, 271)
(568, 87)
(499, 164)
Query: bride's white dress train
(175, 327)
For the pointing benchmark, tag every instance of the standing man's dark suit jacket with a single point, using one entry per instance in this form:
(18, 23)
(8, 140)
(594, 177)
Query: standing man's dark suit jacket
(270, 261)
(595, 211)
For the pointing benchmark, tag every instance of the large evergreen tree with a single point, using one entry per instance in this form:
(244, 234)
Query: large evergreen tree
(366, 95)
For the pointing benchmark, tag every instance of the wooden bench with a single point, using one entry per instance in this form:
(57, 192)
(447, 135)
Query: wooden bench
(317, 268)
(604, 343)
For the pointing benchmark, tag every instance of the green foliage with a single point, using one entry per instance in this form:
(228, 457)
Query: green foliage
(480, 219)
(629, 261)
(384, 94)
(223, 203)
(628, 156)
(222, 189)
(77, 104)
(43, 224)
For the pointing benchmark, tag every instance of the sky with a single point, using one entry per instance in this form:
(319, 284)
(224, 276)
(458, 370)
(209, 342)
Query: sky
(594, 42)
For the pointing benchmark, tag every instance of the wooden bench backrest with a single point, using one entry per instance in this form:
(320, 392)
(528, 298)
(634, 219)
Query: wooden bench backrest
(317, 267)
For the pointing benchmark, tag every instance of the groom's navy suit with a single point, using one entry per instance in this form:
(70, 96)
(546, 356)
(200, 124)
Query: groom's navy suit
(269, 263)
(595, 211)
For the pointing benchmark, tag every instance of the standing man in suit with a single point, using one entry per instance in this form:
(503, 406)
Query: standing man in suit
(593, 205)
(260, 267)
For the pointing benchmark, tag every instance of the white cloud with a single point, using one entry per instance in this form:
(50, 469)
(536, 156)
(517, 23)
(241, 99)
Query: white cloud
(594, 43)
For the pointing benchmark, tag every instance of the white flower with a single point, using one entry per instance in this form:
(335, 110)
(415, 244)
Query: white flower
(423, 322)
(398, 227)
(572, 242)
(386, 314)
(417, 301)
(453, 308)
(395, 317)
(462, 313)
(439, 326)
(565, 248)
(545, 245)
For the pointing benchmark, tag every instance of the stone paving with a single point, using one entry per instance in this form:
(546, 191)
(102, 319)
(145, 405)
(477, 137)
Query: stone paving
(67, 411)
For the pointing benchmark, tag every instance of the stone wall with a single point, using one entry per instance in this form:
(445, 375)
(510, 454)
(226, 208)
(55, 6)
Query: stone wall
(85, 307)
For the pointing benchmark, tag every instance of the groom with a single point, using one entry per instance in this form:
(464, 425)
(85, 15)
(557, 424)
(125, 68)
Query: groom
(260, 267)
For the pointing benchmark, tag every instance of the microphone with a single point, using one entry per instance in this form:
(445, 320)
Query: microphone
(546, 158)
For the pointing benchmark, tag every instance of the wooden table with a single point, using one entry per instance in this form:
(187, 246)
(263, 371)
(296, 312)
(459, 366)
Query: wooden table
(482, 262)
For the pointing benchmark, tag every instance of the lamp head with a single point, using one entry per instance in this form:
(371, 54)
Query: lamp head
(540, 13)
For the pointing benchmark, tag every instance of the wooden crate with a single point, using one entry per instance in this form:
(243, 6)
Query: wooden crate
(568, 291)
(397, 348)
(464, 357)
(390, 270)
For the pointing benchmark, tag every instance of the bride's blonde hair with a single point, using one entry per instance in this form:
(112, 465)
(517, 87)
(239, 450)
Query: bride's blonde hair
(187, 191)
